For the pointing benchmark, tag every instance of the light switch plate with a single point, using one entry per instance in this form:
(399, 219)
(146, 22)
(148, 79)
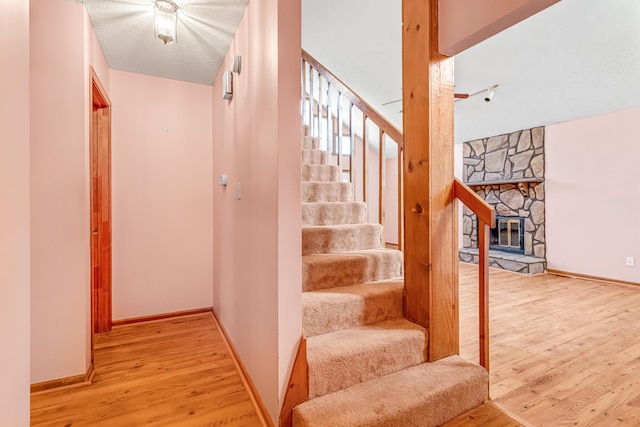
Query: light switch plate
(223, 180)
(227, 85)
(631, 261)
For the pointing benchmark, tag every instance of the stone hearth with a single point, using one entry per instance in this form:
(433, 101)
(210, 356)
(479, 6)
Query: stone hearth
(507, 171)
(507, 261)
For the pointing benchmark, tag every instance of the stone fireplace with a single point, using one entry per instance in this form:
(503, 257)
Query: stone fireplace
(507, 171)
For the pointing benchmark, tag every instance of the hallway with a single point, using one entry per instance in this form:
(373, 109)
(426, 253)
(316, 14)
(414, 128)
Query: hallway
(167, 372)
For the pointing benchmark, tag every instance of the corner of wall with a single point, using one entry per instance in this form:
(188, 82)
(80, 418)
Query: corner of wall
(256, 144)
(14, 211)
(60, 277)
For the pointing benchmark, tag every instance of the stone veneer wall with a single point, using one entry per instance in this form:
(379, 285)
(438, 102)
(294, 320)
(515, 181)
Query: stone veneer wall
(508, 157)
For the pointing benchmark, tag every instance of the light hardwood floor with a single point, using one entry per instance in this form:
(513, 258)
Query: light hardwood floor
(485, 415)
(174, 372)
(564, 351)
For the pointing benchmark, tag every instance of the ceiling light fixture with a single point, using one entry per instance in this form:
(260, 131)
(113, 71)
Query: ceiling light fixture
(489, 92)
(489, 96)
(166, 21)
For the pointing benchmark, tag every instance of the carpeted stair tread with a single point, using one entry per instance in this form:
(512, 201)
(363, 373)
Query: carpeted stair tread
(349, 356)
(425, 395)
(315, 157)
(341, 238)
(314, 191)
(329, 310)
(333, 213)
(323, 173)
(322, 271)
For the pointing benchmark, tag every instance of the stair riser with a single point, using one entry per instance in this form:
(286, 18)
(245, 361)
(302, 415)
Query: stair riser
(323, 272)
(326, 312)
(334, 239)
(321, 173)
(385, 352)
(314, 157)
(333, 213)
(327, 192)
(310, 143)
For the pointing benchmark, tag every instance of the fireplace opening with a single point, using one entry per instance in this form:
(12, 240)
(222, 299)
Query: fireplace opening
(508, 235)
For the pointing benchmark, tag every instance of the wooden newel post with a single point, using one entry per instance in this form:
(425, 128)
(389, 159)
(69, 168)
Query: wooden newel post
(431, 249)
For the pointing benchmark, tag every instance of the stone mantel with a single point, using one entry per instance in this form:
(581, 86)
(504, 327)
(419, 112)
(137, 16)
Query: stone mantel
(505, 181)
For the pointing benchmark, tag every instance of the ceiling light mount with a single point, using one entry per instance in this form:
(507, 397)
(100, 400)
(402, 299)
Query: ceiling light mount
(166, 21)
(489, 96)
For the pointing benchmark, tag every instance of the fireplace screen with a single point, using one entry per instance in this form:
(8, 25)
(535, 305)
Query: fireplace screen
(508, 235)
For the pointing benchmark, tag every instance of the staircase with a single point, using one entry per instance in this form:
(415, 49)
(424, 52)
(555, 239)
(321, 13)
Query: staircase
(366, 362)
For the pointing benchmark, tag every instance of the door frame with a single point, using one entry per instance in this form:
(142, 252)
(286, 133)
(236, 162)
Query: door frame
(100, 206)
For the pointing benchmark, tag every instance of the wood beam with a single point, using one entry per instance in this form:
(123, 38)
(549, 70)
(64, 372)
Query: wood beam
(431, 252)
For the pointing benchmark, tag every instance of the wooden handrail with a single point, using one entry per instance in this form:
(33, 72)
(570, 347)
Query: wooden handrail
(370, 112)
(486, 217)
(474, 202)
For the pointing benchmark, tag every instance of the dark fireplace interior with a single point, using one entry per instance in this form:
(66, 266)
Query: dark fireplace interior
(508, 235)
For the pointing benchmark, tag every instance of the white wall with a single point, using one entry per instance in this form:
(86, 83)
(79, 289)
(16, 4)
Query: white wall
(60, 256)
(257, 238)
(14, 213)
(593, 199)
(162, 195)
(464, 23)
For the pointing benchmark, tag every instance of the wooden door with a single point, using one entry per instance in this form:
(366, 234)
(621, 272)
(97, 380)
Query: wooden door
(100, 154)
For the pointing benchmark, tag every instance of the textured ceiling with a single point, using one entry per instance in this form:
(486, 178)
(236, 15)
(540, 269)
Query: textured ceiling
(576, 59)
(205, 30)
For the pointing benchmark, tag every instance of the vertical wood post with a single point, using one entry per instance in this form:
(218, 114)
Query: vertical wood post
(381, 176)
(431, 252)
(483, 315)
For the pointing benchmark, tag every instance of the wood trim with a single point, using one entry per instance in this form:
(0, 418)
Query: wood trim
(381, 176)
(298, 386)
(103, 97)
(400, 200)
(483, 291)
(162, 316)
(474, 202)
(68, 382)
(261, 409)
(355, 99)
(100, 233)
(590, 277)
